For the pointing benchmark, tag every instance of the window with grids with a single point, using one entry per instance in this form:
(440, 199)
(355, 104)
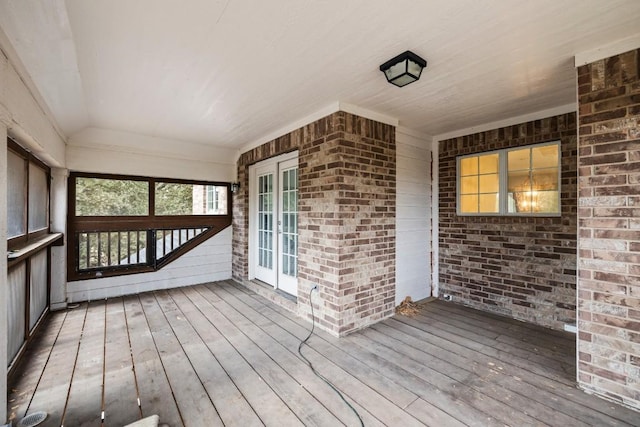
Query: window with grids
(523, 181)
(216, 200)
(120, 224)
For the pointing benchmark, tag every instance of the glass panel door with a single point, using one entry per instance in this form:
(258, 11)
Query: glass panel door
(265, 221)
(265, 270)
(288, 227)
(273, 242)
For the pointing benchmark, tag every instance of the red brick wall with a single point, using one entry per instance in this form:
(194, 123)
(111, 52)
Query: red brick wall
(346, 223)
(609, 220)
(522, 267)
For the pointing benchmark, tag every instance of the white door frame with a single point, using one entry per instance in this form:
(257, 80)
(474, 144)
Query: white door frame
(254, 171)
(285, 281)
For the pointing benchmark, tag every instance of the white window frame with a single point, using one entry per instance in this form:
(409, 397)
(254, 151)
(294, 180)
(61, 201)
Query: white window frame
(212, 204)
(503, 176)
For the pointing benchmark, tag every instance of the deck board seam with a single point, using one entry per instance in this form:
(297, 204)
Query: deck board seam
(164, 370)
(263, 352)
(297, 320)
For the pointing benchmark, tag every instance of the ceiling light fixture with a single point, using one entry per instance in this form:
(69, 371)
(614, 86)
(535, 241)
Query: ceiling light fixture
(403, 69)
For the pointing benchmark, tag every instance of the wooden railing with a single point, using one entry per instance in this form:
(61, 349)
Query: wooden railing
(107, 252)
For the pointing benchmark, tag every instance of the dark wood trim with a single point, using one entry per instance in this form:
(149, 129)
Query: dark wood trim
(148, 223)
(148, 179)
(26, 154)
(33, 247)
(29, 159)
(25, 191)
(23, 248)
(95, 224)
(49, 274)
(152, 197)
(19, 359)
(27, 299)
(114, 270)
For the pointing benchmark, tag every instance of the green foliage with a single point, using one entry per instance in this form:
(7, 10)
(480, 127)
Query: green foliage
(174, 199)
(110, 197)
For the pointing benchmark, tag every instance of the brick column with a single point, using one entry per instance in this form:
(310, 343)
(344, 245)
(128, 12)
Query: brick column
(609, 228)
(346, 223)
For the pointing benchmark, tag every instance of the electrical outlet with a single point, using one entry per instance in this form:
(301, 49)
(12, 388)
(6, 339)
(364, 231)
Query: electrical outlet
(447, 297)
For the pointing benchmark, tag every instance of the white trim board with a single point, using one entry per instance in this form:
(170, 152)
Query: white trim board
(608, 50)
(323, 112)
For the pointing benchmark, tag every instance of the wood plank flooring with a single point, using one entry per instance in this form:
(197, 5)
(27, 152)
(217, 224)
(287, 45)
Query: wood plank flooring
(218, 354)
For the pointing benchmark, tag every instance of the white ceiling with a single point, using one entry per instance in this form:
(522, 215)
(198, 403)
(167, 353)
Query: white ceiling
(228, 72)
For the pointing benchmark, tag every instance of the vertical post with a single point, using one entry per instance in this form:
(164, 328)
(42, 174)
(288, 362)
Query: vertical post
(58, 258)
(3, 275)
(151, 248)
(119, 247)
(435, 212)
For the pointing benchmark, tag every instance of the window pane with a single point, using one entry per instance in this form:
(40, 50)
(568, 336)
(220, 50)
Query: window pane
(469, 185)
(545, 156)
(518, 181)
(519, 187)
(216, 200)
(469, 204)
(545, 179)
(489, 183)
(265, 215)
(547, 202)
(522, 201)
(489, 163)
(489, 203)
(16, 195)
(211, 198)
(38, 198)
(533, 181)
(180, 199)
(519, 159)
(189, 199)
(469, 166)
(111, 197)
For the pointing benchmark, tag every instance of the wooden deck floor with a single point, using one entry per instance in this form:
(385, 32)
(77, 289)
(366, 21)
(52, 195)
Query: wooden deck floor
(219, 354)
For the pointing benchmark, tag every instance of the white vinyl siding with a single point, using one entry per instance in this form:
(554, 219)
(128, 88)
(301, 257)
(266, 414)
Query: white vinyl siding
(413, 217)
(207, 262)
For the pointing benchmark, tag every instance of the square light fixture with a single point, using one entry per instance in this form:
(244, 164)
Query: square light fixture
(403, 69)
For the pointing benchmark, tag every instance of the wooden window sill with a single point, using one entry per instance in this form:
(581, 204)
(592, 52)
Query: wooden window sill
(17, 255)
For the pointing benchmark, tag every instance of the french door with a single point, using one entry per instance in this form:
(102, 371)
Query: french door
(273, 223)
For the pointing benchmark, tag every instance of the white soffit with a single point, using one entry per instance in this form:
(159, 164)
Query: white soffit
(40, 33)
(563, 109)
(232, 72)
